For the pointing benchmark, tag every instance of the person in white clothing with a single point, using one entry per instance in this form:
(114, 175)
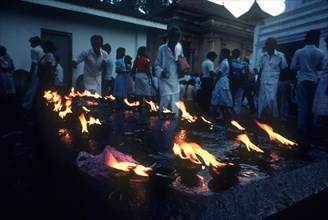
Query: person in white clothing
(271, 63)
(108, 79)
(36, 55)
(207, 82)
(167, 70)
(95, 61)
(7, 86)
(307, 62)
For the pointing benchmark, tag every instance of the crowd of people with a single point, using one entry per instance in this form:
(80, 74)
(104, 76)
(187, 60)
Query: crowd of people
(218, 91)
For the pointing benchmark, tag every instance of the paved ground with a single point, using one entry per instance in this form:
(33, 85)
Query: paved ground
(26, 186)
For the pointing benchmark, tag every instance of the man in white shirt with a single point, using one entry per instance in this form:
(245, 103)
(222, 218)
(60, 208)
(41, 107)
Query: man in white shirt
(107, 81)
(36, 55)
(307, 61)
(271, 63)
(167, 70)
(207, 84)
(94, 64)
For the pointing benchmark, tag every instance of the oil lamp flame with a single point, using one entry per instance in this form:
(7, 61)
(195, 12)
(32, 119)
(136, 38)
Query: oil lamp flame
(165, 110)
(92, 121)
(86, 109)
(153, 108)
(185, 114)
(237, 125)
(86, 93)
(275, 136)
(83, 123)
(206, 121)
(127, 166)
(190, 151)
(133, 104)
(244, 138)
(68, 108)
(111, 97)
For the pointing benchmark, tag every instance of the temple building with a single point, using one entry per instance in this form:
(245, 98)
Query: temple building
(206, 27)
(255, 15)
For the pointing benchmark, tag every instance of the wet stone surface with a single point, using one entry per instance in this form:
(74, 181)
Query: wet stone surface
(262, 180)
(149, 139)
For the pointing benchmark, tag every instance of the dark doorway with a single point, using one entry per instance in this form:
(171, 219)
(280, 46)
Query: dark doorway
(63, 43)
(289, 48)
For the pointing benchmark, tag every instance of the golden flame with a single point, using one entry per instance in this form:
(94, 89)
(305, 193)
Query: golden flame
(47, 95)
(136, 103)
(275, 136)
(185, 149)
(208, 122)
(85, 109)
(127, 166)
(142, 170)
(92, 121)
(68, 108)
(55, 98)
(86, 93)
(189, 151)
(165, 110)
(185, 114)
(83, 123)
(244, 138)
(237, 125)
(153, 108)
(111, 97)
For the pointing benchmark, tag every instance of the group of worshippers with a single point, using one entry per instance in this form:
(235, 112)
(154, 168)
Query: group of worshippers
(221, 88)
(310, 68)
(165, 69)
(131, 78)
(45, 71)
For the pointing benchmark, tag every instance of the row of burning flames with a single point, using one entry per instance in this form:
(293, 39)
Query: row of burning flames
(182, 149)
(54, 97)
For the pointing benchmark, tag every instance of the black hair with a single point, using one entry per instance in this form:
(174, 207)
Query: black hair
(235, 53)
(120, 52)
(172, 30)
(313, 37)
(94, 39)
(271, 41)
(35, 40)
(141, 51)
(212, 54)
(127, 59)
(106, 47)
(226, 54)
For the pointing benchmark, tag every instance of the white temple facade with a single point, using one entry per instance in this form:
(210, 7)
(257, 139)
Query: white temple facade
(290, 27)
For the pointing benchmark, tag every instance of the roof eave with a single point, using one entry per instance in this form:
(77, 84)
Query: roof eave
(99, 13)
